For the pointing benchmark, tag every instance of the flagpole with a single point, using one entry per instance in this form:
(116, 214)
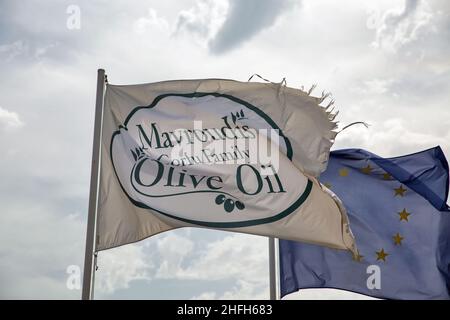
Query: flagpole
(272, 270)
(90, 258)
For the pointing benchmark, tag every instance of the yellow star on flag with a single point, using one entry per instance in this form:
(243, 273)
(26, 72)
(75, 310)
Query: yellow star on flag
(404, 215)
(367, 170)
(381, 255)
(400, 191)
(387, 176)
(343, 172)
(397, 239)
(358, 258)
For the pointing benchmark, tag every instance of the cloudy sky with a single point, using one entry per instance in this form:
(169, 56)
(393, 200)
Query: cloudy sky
(386, 62)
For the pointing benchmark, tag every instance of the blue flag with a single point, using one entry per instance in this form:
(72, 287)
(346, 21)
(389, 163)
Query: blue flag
(399, 216)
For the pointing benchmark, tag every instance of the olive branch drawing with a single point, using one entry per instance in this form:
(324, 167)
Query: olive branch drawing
(138, 153)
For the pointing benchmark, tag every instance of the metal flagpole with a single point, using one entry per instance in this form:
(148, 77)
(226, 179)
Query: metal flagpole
(272, 270)
(90, 258)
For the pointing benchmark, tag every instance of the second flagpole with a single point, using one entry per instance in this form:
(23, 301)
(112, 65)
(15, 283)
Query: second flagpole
(272, 270)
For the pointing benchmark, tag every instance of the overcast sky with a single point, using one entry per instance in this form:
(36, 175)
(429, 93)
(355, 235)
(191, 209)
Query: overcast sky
(386, 62)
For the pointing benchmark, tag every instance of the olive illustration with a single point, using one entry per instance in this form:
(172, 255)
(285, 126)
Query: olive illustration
(229, 205)
(239, 205)
(220, 199)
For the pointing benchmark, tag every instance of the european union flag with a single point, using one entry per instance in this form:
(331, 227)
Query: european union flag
(399, 216)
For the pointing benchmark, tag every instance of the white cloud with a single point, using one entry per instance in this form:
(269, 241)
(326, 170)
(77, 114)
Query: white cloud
(209, 295)
(247, 290)
(9, 120)
(43, 50)
(173, 249)
(237, 256)
(23, 49)
(149, 22)
(120, 266)
(203, 20)
(377, 86)
(398, 28)
(394, 137)
(11, 50)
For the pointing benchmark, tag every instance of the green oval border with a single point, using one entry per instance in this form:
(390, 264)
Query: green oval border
(236, 224)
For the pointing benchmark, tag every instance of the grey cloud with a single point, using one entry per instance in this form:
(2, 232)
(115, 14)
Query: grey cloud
(411, 38)
(39, 28)
(416, 22)
(203, 19)
(246, 19)
(41, 232)
(396, 27)
(187, 21)
(34, 29)
(393, 18)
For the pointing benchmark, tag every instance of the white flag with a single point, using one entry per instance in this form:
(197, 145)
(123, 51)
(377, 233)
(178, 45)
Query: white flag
(219, 154)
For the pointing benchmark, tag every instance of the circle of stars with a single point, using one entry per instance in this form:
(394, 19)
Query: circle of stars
(400, 191)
